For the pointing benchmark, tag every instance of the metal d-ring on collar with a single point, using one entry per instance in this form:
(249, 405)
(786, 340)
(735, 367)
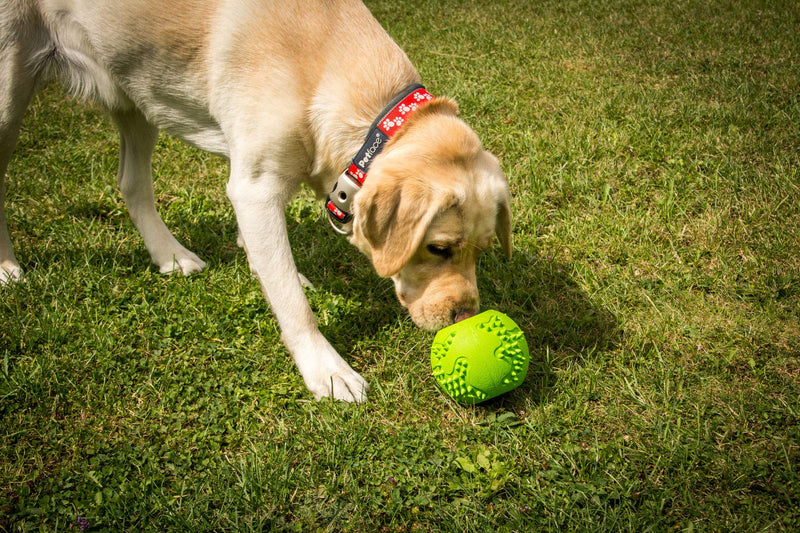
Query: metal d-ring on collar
(388, 123)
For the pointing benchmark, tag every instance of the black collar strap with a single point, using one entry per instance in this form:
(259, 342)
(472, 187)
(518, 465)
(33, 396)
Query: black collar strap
(384, 128)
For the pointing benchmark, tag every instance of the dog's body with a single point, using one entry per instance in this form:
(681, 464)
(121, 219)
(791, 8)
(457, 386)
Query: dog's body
(286, 91)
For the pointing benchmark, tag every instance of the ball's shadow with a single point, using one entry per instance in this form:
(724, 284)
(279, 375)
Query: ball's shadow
(560, 322)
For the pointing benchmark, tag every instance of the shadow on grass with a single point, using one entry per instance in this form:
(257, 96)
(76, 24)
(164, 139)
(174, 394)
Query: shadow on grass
(352, 302)
(560, 322)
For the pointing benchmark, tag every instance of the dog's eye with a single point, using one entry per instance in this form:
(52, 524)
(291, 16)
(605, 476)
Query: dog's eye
(438, 250)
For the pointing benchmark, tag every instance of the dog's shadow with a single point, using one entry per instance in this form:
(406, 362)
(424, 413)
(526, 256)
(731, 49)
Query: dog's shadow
(560, 321)
(350, 300)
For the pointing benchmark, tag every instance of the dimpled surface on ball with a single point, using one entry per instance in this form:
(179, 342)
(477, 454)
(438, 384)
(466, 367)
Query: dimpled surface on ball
(480, 358)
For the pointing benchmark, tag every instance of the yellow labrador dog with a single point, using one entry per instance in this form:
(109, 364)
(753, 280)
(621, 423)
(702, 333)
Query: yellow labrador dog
(289, 92)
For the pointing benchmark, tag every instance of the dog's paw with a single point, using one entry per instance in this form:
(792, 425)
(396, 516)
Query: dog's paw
(9, 273)
(339, 382)
(186, 263)
(349, 387)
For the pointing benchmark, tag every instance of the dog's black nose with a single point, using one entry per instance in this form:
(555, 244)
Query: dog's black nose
(463, 314)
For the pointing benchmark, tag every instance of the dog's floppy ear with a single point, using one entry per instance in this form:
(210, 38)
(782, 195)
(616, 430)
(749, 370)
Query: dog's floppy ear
(392, 217)
(499, 185)
(503, 225)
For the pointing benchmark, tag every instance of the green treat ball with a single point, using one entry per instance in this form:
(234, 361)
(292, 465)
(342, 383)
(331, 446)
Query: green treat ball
(480, 358)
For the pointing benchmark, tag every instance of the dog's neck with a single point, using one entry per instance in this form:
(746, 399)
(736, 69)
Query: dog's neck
(383, 128)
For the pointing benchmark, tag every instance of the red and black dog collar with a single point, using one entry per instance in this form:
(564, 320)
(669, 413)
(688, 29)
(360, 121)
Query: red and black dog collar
(384, 128)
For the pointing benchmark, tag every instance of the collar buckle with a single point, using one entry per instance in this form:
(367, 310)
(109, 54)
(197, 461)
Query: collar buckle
(340, 200)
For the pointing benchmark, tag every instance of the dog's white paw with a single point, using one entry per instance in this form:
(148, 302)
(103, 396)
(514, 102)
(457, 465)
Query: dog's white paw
(337, 381)
(349, 387)
(186, 263)
(9, 273)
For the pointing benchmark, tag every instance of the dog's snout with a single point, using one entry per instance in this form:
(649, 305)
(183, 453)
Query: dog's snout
(463, 314)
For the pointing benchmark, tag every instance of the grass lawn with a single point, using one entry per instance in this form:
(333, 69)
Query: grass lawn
(653, 153)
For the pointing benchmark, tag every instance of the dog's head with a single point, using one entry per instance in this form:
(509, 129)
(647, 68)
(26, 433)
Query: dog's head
(433, 201)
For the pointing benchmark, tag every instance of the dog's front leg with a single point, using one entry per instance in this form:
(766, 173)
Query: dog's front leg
(259, 205)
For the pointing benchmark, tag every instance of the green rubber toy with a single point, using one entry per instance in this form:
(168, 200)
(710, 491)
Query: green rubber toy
(480, 358)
